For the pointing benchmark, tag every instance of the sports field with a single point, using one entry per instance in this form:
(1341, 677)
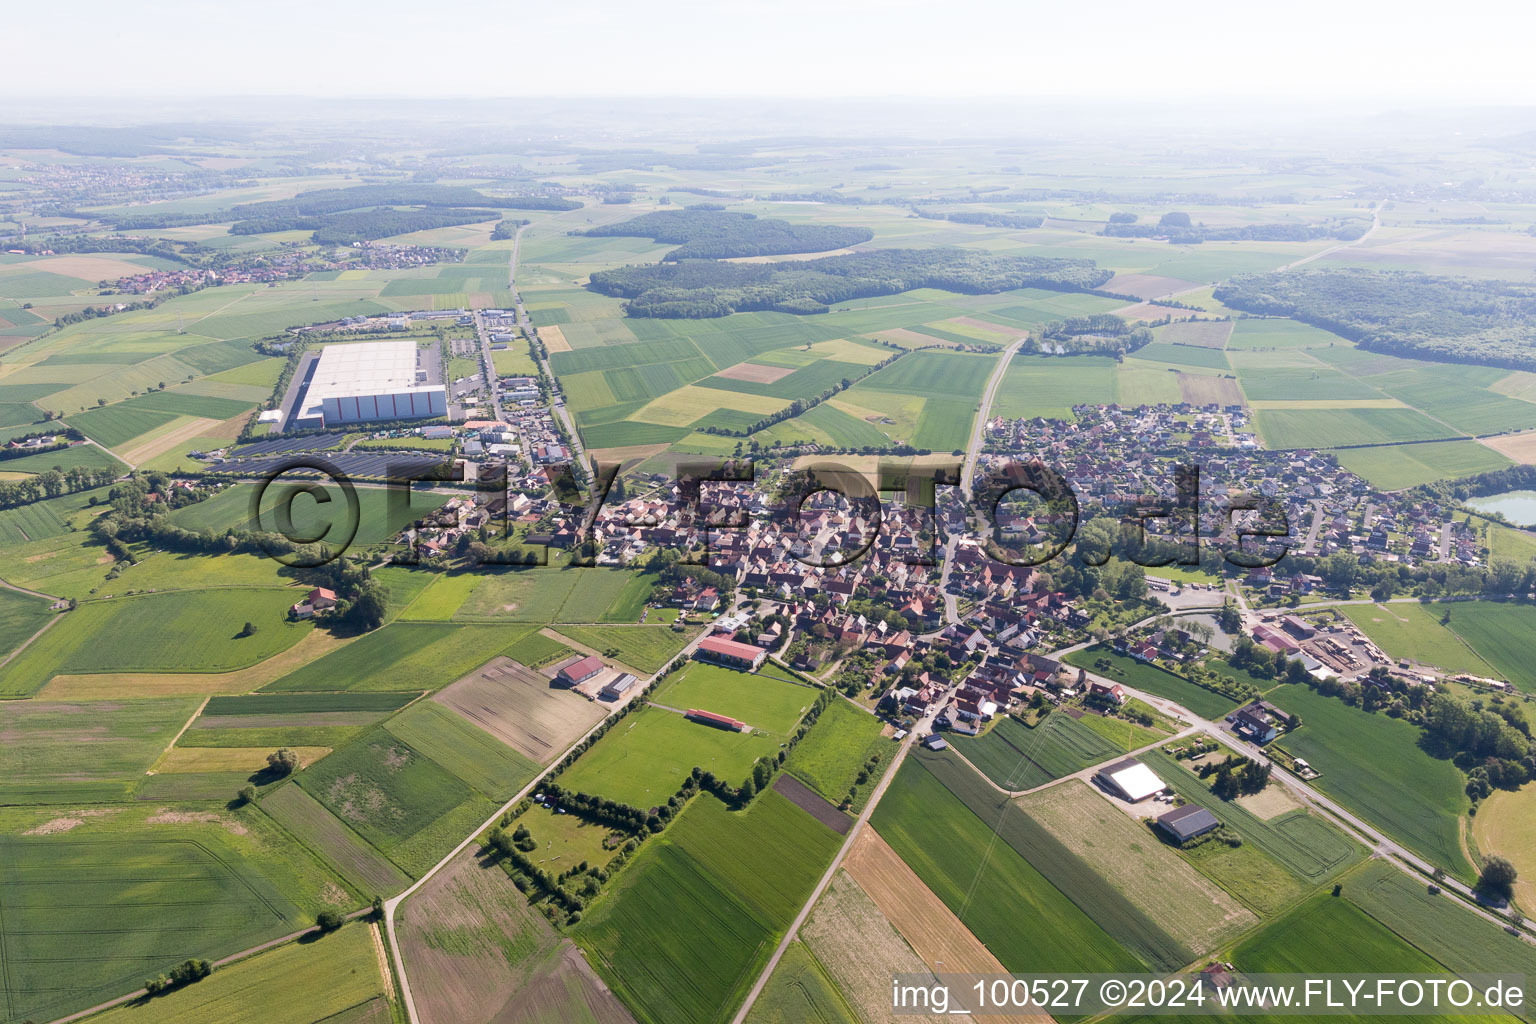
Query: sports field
(645, 757)
(763, 702)
(691, 922)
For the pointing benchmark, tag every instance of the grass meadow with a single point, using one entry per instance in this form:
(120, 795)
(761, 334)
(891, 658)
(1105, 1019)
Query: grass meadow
(838, 748)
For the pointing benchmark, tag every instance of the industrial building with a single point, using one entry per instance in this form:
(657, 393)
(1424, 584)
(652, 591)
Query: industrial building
(370, 381)
(581, 671)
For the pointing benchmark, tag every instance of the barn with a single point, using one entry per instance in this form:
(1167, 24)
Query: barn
(581, 671)
(1185, 823)
(1131, 780)
(725, 651)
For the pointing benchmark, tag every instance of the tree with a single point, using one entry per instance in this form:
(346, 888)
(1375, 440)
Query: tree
(249, 629)
(1498, 877)
(378, 908)
(329, 920)
(283, 762)
(247, 794)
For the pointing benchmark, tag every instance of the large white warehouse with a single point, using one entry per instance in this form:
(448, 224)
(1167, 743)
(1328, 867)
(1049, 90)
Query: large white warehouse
(370, 381)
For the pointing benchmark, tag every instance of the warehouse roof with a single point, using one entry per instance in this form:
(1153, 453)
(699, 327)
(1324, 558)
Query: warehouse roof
(1188, 821)
(1134, 780)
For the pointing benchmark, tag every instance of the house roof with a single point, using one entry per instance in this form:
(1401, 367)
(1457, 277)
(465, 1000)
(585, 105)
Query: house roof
(586, 666)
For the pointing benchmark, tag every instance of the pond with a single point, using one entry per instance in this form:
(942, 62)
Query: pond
(1519, 507)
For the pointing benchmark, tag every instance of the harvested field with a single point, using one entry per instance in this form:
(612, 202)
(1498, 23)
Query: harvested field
(756, 373)
(860, 949)
(521, 708)
(1519, 448)
(1189, 906)
(554, 339)
(159, 444)
(1146, 286)
(1203, 333)
(1200, 389)
(86, 267)
(805, 798)
(921, 917)
(477, 953)
(1270, 802)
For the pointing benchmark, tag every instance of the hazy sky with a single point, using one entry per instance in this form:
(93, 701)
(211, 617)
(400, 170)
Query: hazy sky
(1304, 50)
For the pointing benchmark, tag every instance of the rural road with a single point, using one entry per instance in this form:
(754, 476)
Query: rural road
(983, 413)
(488, 365)
(556, 396)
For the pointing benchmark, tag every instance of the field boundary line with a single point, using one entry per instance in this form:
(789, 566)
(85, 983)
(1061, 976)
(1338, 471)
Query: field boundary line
(28, 641)
(179, 733)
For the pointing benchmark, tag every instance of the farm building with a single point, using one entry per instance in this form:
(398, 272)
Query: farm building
(718, 721)
(1131, 780)
(1187, 822)
(365, 381)
(619, 687)
(318, 599)
(1259, 721)
(730, 652)
(581, 671)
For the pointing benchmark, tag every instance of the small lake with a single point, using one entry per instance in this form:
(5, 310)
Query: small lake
(1519, 507)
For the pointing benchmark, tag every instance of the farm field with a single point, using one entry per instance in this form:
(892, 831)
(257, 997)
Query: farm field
(1497, 631)
(521, 709)
(1307, 846)
(475, 950)
(1018, 757)
(21, 615)
(644, 648)
(644, 758)
(472, 754)
(294, 984)
(96, 751)
(422, 655)
(691, 921)
(244, 761)
(383, 788)
(1080, 880)
(1280, 334)
(1402, 790)
(1036, 386)
(1504, 825)
(1255, 878)
(1151, 679)
(763, 702)
(40, 520)
(152, 886)
(172, 632)
(1328, 428)
(348, 853)
(800, 992)
(1187, 905)
(956, 855)
(377, 522)
(859, 949)
(1398, 466)
(831, 756)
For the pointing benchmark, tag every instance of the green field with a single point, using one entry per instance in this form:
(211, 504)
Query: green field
(1410, 630)
(1327, 428)
(1086, 881)
(184, 631)
(1498, 631)
(147, 894)
(646, 648)
(39, 520)
(692, 921)
(645, 757)
(1182, 355)
(295, 984)
(424, 655)
(1280, 334)
(1335, 933)
(799, 992)
(349, 854)
(831, 756)
(988, 885)
(1036, 386)
(472, 754)
(87, 751)
(231, 509)
(763, 702)
(305, 703)
(21, 615)
(1394, 467)
(118, 424)
(1151, 679)
(1262, 883)
(1400, 789)
(383, 788)
(1018, 757)
(1310, 848)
